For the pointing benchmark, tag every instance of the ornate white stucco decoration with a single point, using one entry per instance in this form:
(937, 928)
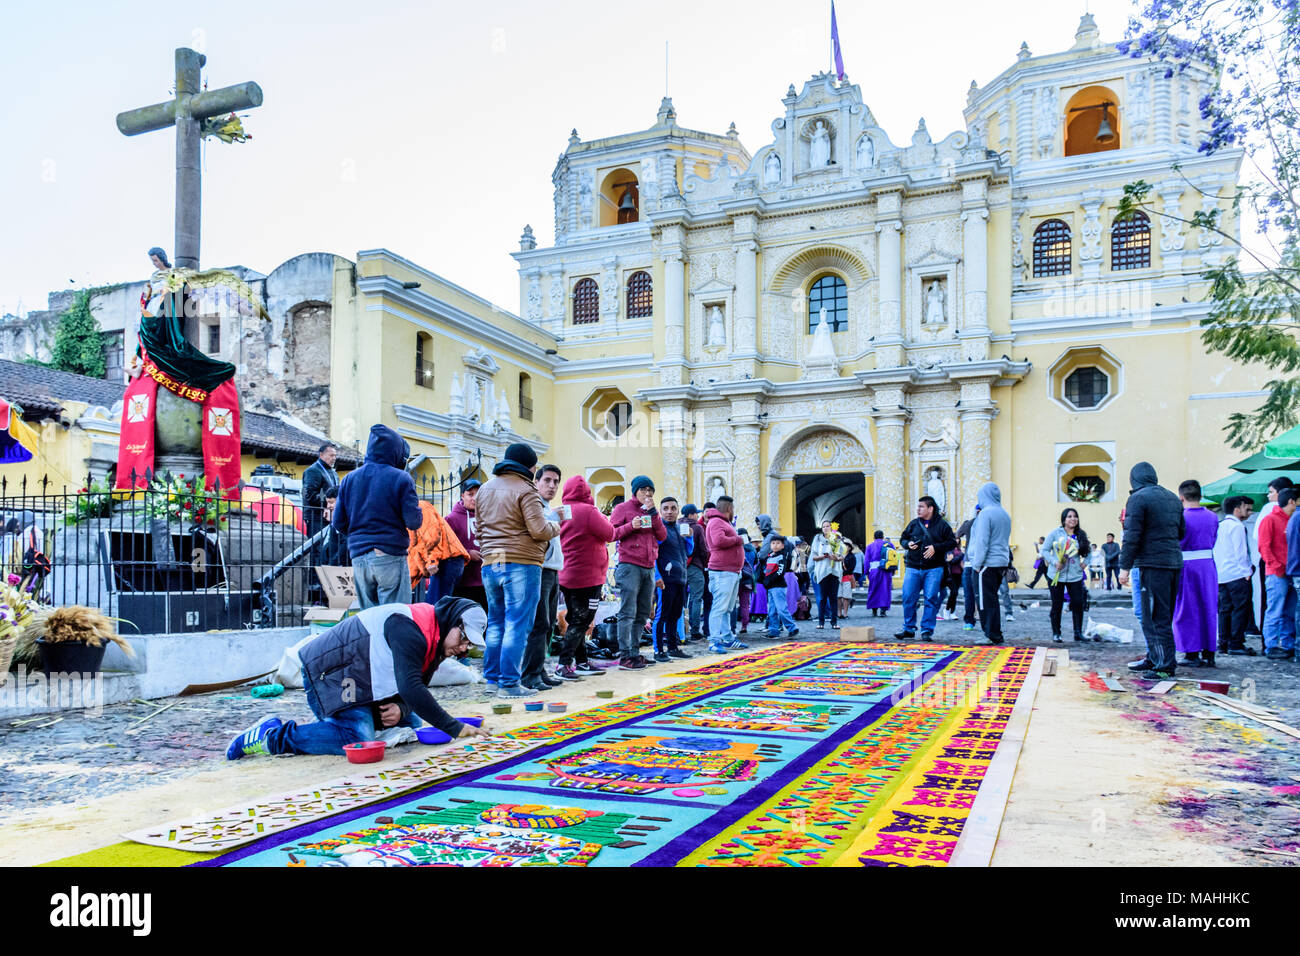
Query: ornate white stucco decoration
(480, 360)
(828, 451)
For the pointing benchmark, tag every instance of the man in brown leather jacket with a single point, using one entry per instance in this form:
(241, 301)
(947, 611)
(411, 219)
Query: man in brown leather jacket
(512, 532)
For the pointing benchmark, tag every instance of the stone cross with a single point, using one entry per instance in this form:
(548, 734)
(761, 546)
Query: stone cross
(186, 112)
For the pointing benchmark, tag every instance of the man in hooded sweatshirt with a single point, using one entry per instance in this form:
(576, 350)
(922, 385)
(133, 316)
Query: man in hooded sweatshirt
(377, 509)
(638, 529)
(461, 521)
(1153, 532)
(584, 539)
(370, 672)
(988, 551)
(510, 521)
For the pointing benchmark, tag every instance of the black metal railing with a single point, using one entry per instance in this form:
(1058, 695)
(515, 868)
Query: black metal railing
(172, 557)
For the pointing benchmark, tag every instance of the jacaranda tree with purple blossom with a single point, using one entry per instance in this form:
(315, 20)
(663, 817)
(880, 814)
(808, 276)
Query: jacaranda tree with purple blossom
(1253, 49)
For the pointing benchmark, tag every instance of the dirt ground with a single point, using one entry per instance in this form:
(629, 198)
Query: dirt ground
(1104, 778)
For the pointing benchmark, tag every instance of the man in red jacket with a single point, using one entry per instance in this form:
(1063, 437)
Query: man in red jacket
(638, 529)
(726, 558)
(584, 540)
(1279, 609)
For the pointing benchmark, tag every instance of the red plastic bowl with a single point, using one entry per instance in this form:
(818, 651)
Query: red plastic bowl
(1215, 686)
(368, 751)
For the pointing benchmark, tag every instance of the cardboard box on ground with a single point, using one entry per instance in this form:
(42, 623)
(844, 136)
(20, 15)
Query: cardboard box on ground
(340, 595)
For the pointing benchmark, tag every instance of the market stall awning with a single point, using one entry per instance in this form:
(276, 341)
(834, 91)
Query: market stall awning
(1285, 445)
(1253, 484)
(1260, 461)
(17, 438)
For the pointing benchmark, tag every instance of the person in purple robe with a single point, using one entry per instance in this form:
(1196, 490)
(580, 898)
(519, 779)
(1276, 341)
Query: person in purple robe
(880, 582)
(1196, 611)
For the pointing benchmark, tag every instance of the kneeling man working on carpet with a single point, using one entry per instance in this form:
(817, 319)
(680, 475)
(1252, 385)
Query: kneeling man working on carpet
(369, 672)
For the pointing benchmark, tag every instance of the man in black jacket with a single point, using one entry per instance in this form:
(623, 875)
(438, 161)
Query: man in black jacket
(358, 685)
(1153, 532)
(697, 576)
(925, 543)
(672, 559)
(320, 486)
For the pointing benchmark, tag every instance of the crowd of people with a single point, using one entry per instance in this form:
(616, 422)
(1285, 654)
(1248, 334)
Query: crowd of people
(524, 577)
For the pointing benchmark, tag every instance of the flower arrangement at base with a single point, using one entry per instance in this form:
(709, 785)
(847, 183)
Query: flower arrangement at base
(185, 500)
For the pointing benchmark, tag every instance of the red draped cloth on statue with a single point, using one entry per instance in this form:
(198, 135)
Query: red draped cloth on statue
(220, 425)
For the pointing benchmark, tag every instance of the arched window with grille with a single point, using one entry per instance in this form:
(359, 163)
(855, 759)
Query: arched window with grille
(640, 296)
(424, 360)
(1130, 241)
(586, 302)
(830, 293)
(525, 396)
(1052, 245)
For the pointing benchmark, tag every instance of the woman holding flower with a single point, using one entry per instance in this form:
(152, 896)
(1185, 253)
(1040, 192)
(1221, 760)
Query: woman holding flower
(1065, 556)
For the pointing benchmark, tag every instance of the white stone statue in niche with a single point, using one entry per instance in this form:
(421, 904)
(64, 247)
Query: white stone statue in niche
(866, 153)
(772, 170)
(934, 487)
(716, 489)
(819, 153)
(717, 328)
(935, 301)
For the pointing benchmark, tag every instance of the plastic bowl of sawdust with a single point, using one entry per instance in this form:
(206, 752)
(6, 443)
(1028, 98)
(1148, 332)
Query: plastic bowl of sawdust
(557, 707)
(367, 751)
(502, 708)
(432, 735)
(472, 721)
(1215, 686)
(534, 705)
(605, 694)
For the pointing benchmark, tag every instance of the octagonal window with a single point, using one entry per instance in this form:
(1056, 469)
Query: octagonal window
(1086, 387)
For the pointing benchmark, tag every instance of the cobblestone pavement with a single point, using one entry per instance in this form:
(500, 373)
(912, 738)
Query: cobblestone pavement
(134, 745)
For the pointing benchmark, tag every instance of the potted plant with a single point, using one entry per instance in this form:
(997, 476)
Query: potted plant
(73, 639)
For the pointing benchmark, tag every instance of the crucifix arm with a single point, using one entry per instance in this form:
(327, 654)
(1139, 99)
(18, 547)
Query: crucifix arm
(228, 99)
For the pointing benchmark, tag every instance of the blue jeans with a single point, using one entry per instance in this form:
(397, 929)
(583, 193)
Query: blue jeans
(724, 587)
(1135, 585)
(968, 586)
(513, 591)
(916, 580)
(444, 582)
(381, 579)
(778, 613)
(328, 734)
(1279, 615)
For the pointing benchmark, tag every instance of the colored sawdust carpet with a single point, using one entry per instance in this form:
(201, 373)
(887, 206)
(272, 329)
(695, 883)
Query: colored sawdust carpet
(797, 755)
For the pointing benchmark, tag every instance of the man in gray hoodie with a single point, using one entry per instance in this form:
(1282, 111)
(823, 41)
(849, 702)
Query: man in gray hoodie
(988, 552)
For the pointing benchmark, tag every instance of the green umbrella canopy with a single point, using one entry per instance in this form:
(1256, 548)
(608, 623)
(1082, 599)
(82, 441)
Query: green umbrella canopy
(1253, 484)
(1262, 462)
(1285, 445)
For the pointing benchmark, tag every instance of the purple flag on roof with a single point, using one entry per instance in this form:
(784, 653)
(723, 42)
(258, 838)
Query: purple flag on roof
(835, 42)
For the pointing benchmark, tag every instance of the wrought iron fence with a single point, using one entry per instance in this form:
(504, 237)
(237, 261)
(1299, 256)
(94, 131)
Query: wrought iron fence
(173, 558)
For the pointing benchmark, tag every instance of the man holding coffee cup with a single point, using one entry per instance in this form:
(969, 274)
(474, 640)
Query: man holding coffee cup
(638, 529)
(674, 553)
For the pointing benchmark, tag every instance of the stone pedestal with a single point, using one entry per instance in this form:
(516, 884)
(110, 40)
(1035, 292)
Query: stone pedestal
(178, 436)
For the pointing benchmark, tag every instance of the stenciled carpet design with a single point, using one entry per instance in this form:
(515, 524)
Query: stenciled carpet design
(800, 755)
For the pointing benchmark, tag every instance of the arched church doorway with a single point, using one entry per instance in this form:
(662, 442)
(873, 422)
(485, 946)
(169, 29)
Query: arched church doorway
(840, 498)
(823, 474)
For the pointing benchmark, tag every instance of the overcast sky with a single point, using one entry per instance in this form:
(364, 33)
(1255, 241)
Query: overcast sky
(430, 128)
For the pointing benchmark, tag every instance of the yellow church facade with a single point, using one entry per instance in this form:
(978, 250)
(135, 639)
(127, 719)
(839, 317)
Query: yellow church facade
(828, 326)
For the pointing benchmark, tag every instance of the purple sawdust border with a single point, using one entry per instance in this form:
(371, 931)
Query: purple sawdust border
(817, 750)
